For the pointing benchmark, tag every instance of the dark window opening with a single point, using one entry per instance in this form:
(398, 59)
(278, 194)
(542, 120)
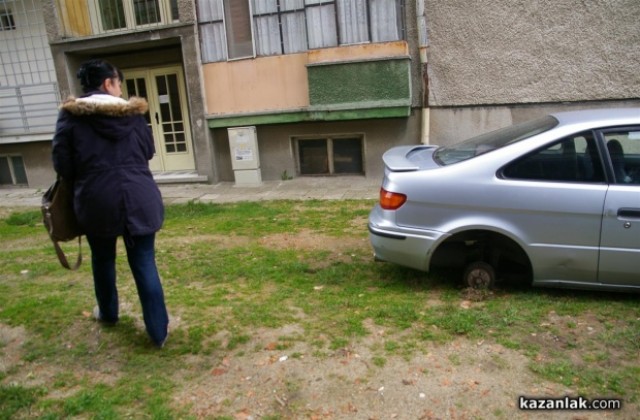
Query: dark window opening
(313, 157)
(347, 156)
(330, 156)
(7, 23)
(12, 171)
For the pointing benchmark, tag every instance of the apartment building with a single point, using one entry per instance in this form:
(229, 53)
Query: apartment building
(253, 90)
(241, 90)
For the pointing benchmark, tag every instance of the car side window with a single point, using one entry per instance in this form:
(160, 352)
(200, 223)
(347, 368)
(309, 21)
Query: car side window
(623, 148)
(573, 159)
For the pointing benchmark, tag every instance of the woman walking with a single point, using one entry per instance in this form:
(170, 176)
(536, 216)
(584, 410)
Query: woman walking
(102, 146)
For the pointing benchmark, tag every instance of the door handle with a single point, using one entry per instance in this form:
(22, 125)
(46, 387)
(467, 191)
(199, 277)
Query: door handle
(157, 118)
(629, 213)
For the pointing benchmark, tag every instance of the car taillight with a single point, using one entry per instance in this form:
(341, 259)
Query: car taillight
(390, 200)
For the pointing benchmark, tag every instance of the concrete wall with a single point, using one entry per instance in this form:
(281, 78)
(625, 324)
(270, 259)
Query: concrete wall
(496, 62)
(37, 161)
(275, 143)
(523, 51)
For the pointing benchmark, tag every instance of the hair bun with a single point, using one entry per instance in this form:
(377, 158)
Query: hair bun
(93, 72)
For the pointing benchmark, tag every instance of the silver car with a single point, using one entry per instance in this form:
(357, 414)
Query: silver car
(554, 202)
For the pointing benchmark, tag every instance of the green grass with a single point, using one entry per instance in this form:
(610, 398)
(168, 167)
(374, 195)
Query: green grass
(230, 270)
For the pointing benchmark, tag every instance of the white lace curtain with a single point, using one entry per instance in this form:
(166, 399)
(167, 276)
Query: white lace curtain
(290, 26)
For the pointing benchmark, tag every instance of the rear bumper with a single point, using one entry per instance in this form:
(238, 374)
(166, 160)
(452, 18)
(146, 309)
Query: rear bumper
(406, 247)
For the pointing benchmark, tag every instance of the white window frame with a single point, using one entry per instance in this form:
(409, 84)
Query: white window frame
(129, 15)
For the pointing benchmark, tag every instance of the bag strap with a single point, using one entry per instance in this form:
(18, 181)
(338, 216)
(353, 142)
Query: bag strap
(63, 258)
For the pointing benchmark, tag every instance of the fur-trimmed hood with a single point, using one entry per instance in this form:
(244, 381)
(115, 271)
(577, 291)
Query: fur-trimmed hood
(107, 116)
(104, 104)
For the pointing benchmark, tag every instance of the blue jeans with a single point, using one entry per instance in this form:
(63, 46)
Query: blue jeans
(142, 261)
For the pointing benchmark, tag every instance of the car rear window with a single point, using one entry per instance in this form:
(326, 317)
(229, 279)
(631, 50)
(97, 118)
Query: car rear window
(487, 142)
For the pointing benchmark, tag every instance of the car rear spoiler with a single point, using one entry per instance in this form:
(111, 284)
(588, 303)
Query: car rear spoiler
(406, 158)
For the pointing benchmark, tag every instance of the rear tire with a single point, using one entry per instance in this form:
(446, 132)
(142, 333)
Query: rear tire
(480, 275)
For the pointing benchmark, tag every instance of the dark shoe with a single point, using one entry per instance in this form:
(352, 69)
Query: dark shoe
(97, 315)
(161, 345)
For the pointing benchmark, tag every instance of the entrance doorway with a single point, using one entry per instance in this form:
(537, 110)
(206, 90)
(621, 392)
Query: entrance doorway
(168, 115)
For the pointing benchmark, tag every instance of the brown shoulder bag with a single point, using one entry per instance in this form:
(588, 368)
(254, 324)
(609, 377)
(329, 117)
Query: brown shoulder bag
(60, 220)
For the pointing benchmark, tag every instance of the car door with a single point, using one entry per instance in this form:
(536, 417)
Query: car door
(620, 239)
(560, 191)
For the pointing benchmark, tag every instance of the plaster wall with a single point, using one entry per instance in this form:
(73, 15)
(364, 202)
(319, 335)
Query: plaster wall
(490, 52)
(266, 83)
(279, 82)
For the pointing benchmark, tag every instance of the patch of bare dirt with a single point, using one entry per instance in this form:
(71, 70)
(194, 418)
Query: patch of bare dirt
(307, 240)
(222, 241)
(571, 335)
(460, 380)
(42, 373)
(11, 341)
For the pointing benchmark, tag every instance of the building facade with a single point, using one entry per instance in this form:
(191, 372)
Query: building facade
(253, 90)
(321, 87)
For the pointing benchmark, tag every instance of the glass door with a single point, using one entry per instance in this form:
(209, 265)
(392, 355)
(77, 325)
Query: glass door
(168, 115)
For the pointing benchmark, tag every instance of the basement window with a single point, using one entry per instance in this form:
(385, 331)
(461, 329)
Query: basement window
(330, 156)
(12, 171)
(7, 23)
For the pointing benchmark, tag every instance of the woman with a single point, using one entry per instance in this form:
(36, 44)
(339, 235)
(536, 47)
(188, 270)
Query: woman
(103, 145)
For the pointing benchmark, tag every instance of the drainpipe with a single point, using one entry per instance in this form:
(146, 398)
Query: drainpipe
(425, 96)
(423, 45)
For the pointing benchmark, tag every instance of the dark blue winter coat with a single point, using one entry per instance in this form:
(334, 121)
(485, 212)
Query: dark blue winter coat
(103, 146)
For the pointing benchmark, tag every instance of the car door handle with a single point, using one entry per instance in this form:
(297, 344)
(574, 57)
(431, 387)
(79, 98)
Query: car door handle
(629, 213)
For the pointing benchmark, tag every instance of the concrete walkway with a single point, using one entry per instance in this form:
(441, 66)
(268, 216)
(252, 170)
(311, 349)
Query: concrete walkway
(303, 188)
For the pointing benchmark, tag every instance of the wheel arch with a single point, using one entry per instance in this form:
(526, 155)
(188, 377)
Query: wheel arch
(494, 246)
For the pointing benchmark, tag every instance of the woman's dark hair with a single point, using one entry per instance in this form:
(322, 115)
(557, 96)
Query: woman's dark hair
(93, 72)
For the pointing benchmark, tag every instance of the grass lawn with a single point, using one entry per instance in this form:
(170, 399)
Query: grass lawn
(300, 273)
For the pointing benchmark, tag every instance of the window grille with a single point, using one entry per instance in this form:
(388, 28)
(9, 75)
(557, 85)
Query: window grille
(28, 88)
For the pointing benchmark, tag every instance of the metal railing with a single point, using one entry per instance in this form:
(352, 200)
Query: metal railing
(28, 109)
